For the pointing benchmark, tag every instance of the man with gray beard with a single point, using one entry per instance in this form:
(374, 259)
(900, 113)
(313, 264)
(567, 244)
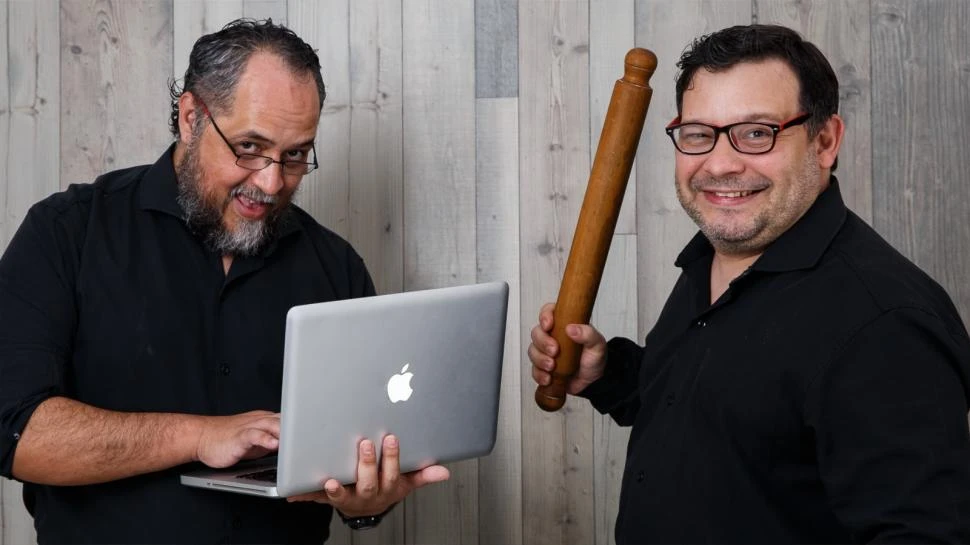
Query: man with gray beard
(804, 381)
(143, 319)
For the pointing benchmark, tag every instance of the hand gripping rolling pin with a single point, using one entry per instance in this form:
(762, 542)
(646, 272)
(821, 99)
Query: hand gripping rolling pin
(597, 218)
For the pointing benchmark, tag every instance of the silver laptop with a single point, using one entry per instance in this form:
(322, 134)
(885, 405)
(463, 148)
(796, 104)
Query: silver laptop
(423, 365)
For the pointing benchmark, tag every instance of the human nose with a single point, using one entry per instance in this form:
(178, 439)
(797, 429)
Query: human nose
(723, 158)
(270, 179)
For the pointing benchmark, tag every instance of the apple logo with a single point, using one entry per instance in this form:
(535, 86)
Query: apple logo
(399, 387)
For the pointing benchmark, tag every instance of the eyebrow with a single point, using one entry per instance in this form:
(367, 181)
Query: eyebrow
(756, 117)
(253, 135)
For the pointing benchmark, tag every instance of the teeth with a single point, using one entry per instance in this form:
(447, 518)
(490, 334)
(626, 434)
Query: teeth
(733, 194)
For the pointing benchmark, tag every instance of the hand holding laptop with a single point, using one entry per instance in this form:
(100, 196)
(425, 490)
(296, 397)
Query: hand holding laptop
(377, 487)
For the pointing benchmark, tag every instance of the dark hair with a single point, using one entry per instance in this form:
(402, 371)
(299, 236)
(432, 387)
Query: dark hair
(218, 60)
(819, 88)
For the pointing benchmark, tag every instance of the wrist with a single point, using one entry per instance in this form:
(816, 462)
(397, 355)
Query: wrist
(363, 522)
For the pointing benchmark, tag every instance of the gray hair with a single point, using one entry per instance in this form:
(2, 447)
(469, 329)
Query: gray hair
(218, 60)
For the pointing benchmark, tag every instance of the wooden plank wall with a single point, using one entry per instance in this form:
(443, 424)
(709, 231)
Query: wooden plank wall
(455, 145)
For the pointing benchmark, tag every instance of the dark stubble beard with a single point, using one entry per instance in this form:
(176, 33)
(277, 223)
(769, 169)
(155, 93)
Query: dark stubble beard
(204, 212)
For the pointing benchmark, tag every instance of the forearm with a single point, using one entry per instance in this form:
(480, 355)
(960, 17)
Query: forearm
(67, 442)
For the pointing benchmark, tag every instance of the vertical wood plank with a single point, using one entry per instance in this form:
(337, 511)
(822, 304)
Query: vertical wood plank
(612, 29)
(949, 117)
(376, 166)
(439, 211)
(497, 175)
(116, 57)
(554, 147)
(266, 9)
(192, 19)
(496, 48)
(325, 192)
(376, 143)
(666, 28)
(920, 80)
(840, 29)
(615, 314)
(29, 110)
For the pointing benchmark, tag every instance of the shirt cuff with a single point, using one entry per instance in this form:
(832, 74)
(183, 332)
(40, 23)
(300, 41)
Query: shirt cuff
(13, 420)
(620, 378)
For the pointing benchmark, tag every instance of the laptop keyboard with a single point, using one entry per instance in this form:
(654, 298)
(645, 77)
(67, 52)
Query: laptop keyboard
(265, 475)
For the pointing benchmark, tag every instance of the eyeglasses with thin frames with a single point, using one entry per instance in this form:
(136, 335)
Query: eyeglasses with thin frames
(252, 161)
(745, 137)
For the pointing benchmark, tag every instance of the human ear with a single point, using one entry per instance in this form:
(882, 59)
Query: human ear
(828, 141)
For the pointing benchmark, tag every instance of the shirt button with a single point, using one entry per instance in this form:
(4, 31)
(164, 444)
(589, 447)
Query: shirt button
(16, 437)
(670, 399)
(640, 477)
(701, 323)
(225, 369)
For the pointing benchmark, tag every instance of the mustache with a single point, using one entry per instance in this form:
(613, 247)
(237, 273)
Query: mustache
(253, 194)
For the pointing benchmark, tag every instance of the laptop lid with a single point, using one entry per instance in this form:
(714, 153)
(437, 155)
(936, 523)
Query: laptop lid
(423, 365)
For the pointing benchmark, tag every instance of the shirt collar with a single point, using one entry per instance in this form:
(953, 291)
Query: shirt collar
(800, 247)
(159, 191)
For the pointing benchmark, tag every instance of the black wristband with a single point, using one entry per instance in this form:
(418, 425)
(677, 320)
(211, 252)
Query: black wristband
(362, 523)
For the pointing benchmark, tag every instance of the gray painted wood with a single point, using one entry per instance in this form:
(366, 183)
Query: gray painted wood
(497, 211)
(325, 192)
(376, 151)
(557, 448)
(439, 212)
(29, 102)
(192, 19)
(496, 52)
(920, 84)
(840, 29)
(116, 59)
(615, 314)
(612, 30)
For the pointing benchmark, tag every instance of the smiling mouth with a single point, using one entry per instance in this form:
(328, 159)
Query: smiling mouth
(733, 194)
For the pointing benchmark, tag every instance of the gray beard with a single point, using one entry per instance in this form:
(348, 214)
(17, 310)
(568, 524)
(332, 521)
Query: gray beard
(204, 217)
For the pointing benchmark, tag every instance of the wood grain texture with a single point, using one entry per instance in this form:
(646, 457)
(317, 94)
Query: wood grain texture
(920, 75)
(663, 229)
(325, 192)
(266, 9)
(496, 48)
(557, 448)
(439, 212)
(29, 109)
(840, 29)
(376, 140)
(612, 29)
(192, 19)
(497, 232)
(615, 314)
(116, 59)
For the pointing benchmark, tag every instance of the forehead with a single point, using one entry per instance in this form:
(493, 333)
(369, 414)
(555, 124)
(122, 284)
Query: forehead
(270, 96)
(747, 90)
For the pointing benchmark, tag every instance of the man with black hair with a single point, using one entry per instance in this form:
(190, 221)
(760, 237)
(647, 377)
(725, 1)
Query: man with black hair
(143, 316)
(804, 382)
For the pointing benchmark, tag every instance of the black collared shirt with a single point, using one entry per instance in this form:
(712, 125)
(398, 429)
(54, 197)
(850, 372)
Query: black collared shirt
(822, 399)
(107, 298)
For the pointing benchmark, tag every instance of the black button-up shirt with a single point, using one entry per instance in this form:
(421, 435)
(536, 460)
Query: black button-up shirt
(822, 399)
(107, 298)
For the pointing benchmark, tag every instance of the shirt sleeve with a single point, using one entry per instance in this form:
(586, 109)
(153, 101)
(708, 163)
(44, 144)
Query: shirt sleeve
(617, 392)
(889, 416)
(37, 321)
